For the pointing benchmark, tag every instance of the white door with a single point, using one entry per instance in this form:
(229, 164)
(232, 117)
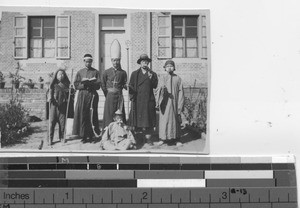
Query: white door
(106, 38)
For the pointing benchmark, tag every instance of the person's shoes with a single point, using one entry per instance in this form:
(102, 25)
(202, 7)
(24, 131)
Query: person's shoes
(62, 140)
(160, 143)
(179, 144)
(149, 143)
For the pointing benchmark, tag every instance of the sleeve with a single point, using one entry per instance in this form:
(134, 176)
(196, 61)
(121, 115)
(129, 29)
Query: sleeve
(154, 80)
(125, 80)
(106, 135)
(180, 97)
(104, 80)
(77, 82)
(132, 91)
(51, 93)
(158, 91)
(95, 85)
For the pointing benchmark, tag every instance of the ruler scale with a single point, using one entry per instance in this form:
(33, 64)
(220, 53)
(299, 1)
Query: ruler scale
(150, 182)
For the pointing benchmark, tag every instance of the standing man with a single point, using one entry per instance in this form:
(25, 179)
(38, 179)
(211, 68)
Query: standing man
(142, 83)
(87, 82)
(113, 81)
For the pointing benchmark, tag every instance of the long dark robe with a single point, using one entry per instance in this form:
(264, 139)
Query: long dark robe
(170, 102)
(142, 113)
(113, 82)
(82, 125)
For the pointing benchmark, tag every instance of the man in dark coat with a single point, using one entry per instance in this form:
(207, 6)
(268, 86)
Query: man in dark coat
(113, 81)
(87, 81)
(141, 85)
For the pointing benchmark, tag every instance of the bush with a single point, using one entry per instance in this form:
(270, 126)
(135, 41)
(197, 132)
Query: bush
(195, 109)
(14, 122)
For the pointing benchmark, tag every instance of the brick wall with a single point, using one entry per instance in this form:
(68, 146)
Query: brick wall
(138, 37)
(82, 38)
(32, 99)
(7, 61)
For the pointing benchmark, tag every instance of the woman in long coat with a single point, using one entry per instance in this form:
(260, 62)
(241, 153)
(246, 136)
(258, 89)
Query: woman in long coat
(170, 103)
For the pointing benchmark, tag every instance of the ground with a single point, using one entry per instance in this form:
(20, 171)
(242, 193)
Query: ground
(192, 142)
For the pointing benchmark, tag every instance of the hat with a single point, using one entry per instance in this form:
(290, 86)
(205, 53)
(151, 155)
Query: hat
(143, 57)
(87, 56)
(169, 62)
(118, 112)
(115, 49)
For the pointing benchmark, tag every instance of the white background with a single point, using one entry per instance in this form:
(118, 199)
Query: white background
(255, 73)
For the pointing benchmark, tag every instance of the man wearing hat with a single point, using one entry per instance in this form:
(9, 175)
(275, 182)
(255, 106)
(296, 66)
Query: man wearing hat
(87, 82)
(170, 104)
(113, 81)
(142, 83)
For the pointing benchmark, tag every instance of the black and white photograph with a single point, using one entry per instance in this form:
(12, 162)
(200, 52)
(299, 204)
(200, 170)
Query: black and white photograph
(104, 80)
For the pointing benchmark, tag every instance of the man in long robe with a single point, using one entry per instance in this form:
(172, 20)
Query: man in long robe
(87, 82)
(113, 81)
(170, 104)
(141, 85)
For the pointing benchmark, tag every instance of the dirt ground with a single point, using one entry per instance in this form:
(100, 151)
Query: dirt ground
(191, 142)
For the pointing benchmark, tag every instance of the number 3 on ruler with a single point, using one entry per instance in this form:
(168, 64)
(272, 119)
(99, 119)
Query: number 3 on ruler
(224, 195)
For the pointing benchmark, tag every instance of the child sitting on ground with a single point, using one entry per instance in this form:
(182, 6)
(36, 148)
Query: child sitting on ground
(117, 136)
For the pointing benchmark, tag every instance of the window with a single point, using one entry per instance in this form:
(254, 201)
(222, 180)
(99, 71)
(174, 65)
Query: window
(182, 36)
(110, 22)
(42, 37)
(185, 36)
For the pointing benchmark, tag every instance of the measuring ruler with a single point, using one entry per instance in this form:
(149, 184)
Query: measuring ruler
(148, 182)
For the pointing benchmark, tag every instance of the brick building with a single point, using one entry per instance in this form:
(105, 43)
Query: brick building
(43, 39)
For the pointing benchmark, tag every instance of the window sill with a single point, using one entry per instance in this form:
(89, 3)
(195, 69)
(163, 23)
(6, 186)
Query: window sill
(185, 60)
(40, 60)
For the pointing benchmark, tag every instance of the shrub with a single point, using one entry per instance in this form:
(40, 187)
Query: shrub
(195, 109)
(14, 122)
(16, 77)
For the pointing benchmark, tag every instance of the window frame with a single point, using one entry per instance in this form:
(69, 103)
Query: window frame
(113, 17)
(26, 27)
(42, 37)
(184, 36)
(23, 36)
(168, 17)
(202, 33)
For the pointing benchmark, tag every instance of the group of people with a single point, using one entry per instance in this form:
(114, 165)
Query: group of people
(147, 94)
